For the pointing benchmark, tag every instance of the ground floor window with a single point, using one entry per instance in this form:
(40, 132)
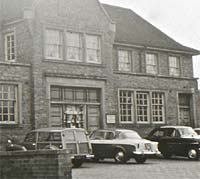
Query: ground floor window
(8, 103)
(143, 106)
(75, 107)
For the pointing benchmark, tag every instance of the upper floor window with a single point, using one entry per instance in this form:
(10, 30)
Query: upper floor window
(54, 44)
(8, 103)
(151, 63)
(10, 47)
(74, 46)
(174, 66)
(124, 60)
(93, 49)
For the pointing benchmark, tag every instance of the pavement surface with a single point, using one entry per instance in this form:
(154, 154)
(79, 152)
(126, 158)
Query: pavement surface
(175, 168)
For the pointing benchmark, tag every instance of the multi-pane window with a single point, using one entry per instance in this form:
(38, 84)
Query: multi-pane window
(10, 53)
(74, 46)
(53, 44)
(157, 107)
(93, 49)
(126, 106)
(174, 66)
(142, 101)
(68, 94)
(151, 63)
(8, 103)
(124, 60)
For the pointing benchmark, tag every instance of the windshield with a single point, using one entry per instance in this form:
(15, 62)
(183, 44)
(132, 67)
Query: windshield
(129, 135)
(187, 131)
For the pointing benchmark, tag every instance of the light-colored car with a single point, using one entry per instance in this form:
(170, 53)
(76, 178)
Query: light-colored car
(121, 145)
(73, 139)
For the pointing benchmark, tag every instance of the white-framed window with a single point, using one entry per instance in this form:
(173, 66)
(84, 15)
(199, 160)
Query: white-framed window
(157, 102)
(10, 47)
(151, 63)
(93, 49)
(142, 102)
(53, 44)
(126, 106)
(124, 60)
(74, 46)
(8, 104)
(174, 66)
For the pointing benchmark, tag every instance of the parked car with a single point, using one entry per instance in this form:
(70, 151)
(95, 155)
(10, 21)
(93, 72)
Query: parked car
(197, 130)
(74, 139)
(176, 140)
(9, 143)
(121, 144)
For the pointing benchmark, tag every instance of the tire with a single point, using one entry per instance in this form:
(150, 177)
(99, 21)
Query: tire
(192, 154)
(140, 159)
(120, 156)
(77, 163)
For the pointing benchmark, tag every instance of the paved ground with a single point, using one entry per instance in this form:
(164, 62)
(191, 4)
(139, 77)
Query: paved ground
(179, 168)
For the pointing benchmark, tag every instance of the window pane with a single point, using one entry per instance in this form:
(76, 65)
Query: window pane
(124, 60)
(174, 66)
(74, 46)
(10, 47)
(151, 63)
(8, 103)
(93, 48)
(142, 107)
(53, 45)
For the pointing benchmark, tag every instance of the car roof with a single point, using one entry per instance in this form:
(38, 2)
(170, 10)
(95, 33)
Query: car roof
(114, 130)
(175, 127)
(56, 129)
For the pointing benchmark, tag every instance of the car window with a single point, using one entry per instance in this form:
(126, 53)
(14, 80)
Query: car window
(158, 133)
(109, 135)
(80, 136)
(129, 135)
(43, 136)
(168, 132)
(175, 133)
(97, 135)
(186, 131)
(68, 136)
(30, 137)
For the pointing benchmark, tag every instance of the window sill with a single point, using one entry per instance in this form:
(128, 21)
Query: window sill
(9, 126)
(74, 63)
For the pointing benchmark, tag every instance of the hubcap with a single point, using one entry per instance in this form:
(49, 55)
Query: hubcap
(119, 156)
(192, 154)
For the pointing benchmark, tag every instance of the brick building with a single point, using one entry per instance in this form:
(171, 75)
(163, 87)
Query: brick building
(82, 63)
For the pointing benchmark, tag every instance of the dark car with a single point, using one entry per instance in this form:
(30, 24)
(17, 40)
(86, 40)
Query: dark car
(9, 143)
(176, 140)
(73, 139)
(121, 144)
(197, 130)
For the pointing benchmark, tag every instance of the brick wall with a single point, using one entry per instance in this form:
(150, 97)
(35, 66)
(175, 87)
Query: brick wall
(50, 164)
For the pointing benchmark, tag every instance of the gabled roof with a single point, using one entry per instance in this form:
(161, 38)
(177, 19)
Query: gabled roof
(133, 29)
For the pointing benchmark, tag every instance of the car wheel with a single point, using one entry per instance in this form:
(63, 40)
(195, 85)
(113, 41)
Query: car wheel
(140, 159)
(120, 156)
(193, 154)
(166, 155)
(77, 163)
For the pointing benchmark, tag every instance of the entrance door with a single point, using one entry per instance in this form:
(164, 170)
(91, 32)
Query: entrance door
(93, 121)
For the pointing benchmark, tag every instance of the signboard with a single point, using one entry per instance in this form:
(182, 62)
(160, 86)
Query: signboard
(110, 118)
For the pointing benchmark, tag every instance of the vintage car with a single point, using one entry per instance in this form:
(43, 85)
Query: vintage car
(197, 130)
(122, 145)
(176, 140)
(73, 139)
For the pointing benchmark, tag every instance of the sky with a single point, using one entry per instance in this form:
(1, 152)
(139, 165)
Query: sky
(179, 19)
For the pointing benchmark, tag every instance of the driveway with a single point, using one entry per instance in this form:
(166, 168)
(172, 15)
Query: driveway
(176, 168)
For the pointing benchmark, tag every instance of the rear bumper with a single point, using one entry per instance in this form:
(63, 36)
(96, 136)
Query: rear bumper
(146, 153)
(82, 157)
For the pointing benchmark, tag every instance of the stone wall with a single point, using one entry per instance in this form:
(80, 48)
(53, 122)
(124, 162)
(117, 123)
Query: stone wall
(48, 164)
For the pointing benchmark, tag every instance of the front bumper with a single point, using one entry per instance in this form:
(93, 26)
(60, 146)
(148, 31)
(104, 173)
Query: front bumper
(146, 153)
